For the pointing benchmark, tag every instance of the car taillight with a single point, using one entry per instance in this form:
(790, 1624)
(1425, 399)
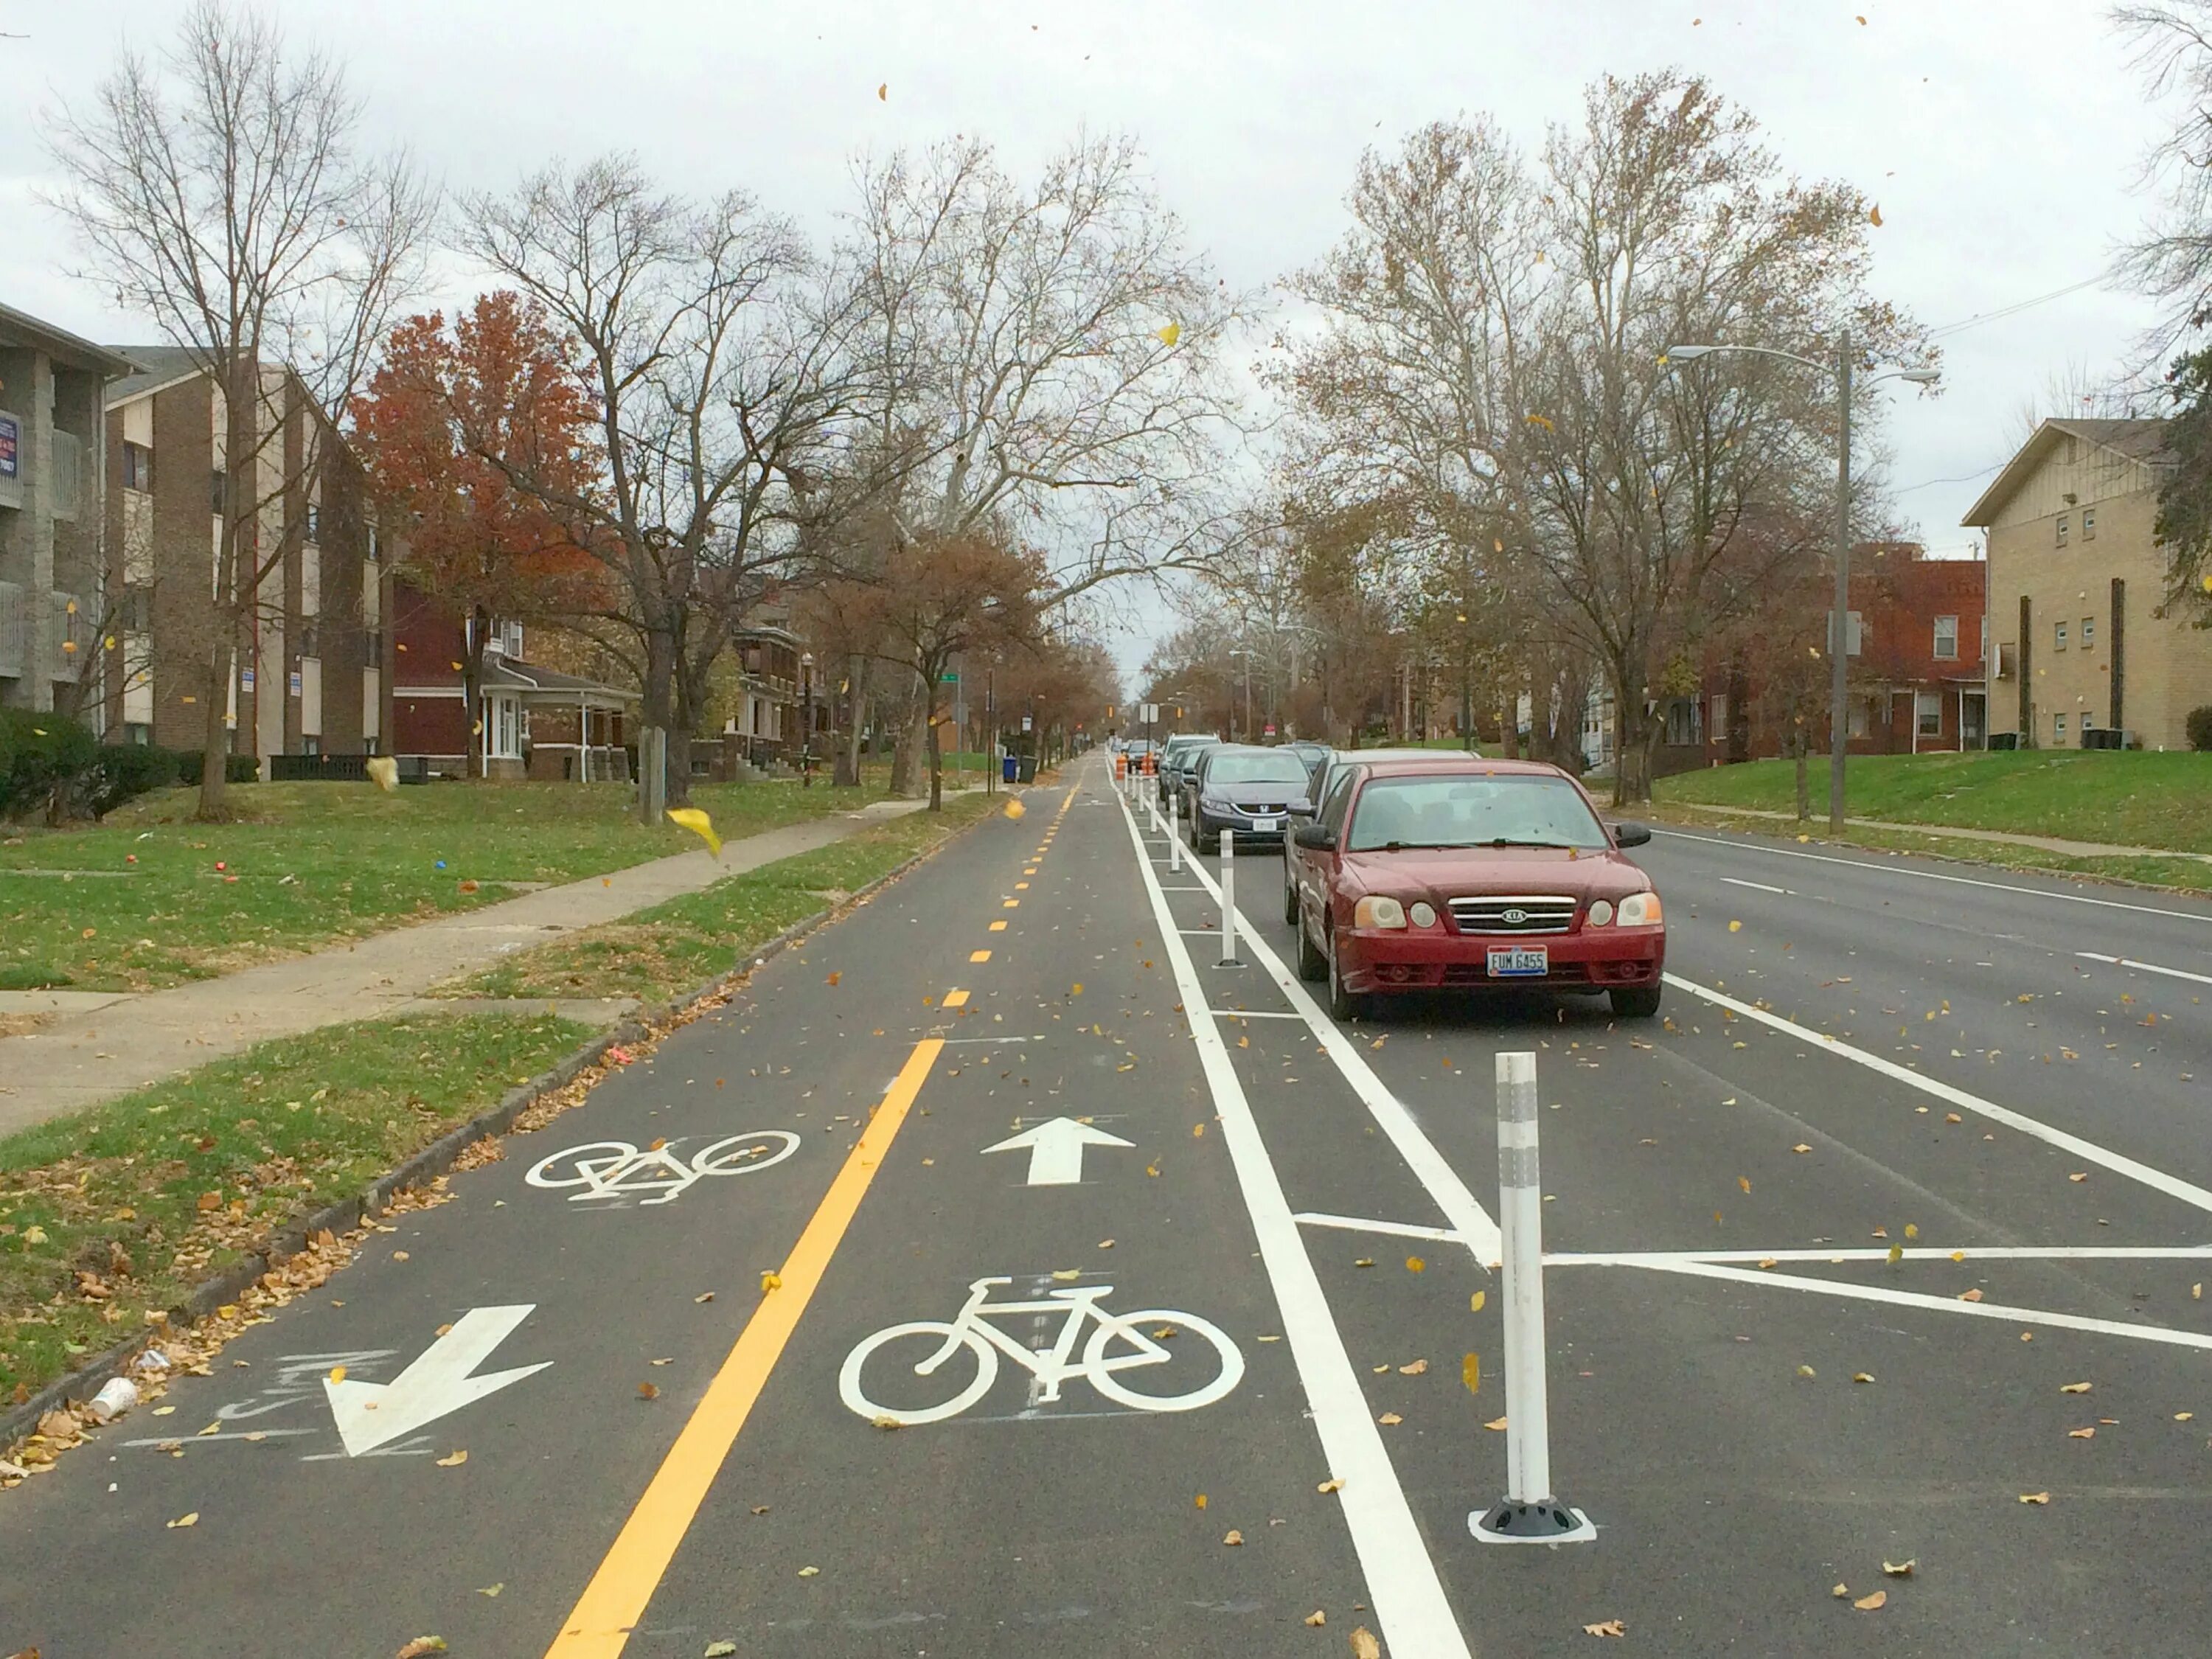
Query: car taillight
(1378, 910)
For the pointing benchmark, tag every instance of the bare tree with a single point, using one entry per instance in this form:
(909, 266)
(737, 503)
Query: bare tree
(220, 193)
(2171, 259)
(713, 344)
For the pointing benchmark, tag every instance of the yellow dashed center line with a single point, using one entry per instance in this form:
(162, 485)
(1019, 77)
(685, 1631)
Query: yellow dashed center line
(998, 926)
(979, 955)
(956, 999)
(1010, 904)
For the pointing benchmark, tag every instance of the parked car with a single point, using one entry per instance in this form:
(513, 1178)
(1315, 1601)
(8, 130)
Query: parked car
(1451, 872)
(1181, 751)
(1241, 787)
(1333, 764)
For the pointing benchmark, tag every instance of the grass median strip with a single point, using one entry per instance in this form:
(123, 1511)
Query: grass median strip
(126, 1208)
(668, 949)
(149, 898)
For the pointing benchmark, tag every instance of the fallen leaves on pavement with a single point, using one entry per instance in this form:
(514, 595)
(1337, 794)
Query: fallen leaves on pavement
(2035, 1498)
(1232, 1538)
(2075, 1387)
(1606, 1627)
(1900, 1569)
(1872, 1603)
(421, 1646)
(192, 1519)
(453, 1461)
(1364, 1645)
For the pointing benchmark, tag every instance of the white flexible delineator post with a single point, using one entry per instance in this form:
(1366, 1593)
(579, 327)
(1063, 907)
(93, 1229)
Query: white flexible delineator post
(1530, 1512)
(1175, 831)
(1228, 899)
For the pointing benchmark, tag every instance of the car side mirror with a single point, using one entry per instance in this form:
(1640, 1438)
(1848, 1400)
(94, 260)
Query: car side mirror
(1631, 835)
(1299, 809)
(1316, 837)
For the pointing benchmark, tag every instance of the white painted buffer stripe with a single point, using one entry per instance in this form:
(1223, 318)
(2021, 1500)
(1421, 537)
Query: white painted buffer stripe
(2144, 967)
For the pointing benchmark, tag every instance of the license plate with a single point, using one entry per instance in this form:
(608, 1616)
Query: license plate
(1259, 824)
(1524, 962)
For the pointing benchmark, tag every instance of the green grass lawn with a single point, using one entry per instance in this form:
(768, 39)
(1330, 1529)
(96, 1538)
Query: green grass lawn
(676, 946)
(147, 898)
(129, 1205)
(2127, 798)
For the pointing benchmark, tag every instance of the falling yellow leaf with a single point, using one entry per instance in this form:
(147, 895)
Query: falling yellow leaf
(1014, 808)
(383, 771)
(1470, 1372)
(884, 93)
(1744, 1181)
(648, 1391)
(1872, 1603)
(192, 1519)
(1243, 1042)
(1911, 1230)
(1414, 1264)
(1077, 990)
(1735, 928)
(338, 1373)
(1873, 216)
(1896, 1254)
(1197, 1131)
(1474, 1302)
(1200, 1500)
(454, 1462)
(1169, 335)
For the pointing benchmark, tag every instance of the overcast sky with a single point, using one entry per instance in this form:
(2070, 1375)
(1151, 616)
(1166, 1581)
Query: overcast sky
(2001, 137)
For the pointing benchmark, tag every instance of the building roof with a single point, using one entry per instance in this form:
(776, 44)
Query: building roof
(2133, 440)
(157, 368)
(59, 343)
(510, 675)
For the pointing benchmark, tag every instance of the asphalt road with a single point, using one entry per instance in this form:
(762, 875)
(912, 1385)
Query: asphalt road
(1267, 1291)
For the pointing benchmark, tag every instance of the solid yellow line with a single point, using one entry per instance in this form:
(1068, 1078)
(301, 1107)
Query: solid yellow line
(616, 1599)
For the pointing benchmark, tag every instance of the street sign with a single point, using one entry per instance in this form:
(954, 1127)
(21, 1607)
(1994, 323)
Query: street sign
(1025, 722)
(952, 678)
(1269, 729)
(369, 1414)
(1152, 714)
(1056, 1150)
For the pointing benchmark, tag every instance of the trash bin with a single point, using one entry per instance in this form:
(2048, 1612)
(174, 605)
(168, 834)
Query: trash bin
(1008, 767)
(1028, 768)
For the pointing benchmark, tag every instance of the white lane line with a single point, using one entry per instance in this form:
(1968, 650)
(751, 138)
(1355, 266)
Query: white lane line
(1760, 886)
(1934, 875)
(1467, 1215)
(2119, 1163)
(1352, 1224)
(1253, 1013)
(2145, 967)
(1913, 1252)
(1936, 1303)
(1402, 1582)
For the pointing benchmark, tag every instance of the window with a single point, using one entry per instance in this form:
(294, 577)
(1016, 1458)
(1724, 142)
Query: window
(137, 466)
(1683, 725)
(310, 639)
(2089, 632)
(2059, 730)
(2062, 530)
(315, 532)
(135, 611)
(2058, 636)
(1854, 633)
(1856, 720)
(375, 544)
(1720, 717)
(1946, 639)
(2088, 523)
(311, 745)
(216, 481)
(1340, 797)
(1253, 766)
(1928, 711)
(1460, 810)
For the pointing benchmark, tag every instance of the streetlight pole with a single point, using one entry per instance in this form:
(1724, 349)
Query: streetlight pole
(807, 729)
(1840, 627)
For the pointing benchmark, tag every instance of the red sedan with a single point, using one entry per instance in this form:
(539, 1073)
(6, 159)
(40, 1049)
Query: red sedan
(1483, 874)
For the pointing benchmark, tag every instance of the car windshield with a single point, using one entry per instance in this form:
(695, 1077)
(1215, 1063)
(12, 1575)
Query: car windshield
(1256, 765)
(1472, 811)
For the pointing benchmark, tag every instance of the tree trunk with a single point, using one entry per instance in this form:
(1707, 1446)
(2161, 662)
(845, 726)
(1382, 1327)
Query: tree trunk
(215, 734)
(1635, 737)
(936, 754)
(1804, 783)
(848, 754)
(472, 698)
(656, 710)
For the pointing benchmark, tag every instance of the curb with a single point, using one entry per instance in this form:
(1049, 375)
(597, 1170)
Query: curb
(433, 1160)
(1736, 825)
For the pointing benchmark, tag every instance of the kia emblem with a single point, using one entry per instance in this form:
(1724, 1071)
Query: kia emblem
(1517, 915)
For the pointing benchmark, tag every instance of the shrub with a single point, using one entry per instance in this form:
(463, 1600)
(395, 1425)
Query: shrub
(236, 768)
(123, 772)
(2199, 728)
(48, 755)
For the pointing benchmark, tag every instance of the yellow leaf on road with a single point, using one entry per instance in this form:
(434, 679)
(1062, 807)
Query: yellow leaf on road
(1330, 1486)
(1606, 1627)
(454, 1462)
(1317, 1618)
(1744, 1181)
(771, 1282)
(421, 1647)
(1970, 1296)
(1807, 1370)
(1414, 1369)
(1390, 1419)
(1232, 1538)
(2075, 1387)
(1862, 1376)
(1365, 1646)
(1414, 1264)
(1871, 1603)
(2085, 1433)
(1496, 1426)
(1474, 1302)
(192, 1519)
(1900, 1569)
(1200, 1500)
(2035, 1498)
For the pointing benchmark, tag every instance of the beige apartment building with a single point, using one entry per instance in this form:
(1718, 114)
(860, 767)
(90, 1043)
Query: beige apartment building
(2079, 657)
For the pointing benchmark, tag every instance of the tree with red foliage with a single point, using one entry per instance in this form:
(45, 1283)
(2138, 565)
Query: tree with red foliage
(498, 383)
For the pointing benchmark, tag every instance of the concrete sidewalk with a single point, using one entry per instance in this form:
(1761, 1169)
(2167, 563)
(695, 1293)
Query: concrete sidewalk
(94, 1046)
(2080, 849)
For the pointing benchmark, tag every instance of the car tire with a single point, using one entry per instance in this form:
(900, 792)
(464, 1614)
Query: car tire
(1634, 1001)
(1313, 967)
(1342, 1004)
(1289, 905)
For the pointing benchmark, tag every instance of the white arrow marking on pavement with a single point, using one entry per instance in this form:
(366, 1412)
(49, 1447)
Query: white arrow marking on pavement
(1056, 1150)
(370, 1413)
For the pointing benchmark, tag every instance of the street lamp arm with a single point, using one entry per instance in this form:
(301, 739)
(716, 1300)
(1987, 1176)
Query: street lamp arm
(1692, 353)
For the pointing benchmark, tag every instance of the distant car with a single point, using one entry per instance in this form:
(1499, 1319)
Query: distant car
(1450, 872)
(1180, 751)
(1250, 790)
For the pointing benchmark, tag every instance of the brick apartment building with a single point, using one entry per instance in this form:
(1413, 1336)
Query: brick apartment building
(1915, 681)
(51, 441)
(311, 678)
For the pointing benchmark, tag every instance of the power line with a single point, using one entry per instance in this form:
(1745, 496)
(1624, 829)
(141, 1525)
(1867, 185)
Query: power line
(1979, 318)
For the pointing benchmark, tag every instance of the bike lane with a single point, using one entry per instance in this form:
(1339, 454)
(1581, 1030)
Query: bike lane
(612, 1313)
(1188, 1505)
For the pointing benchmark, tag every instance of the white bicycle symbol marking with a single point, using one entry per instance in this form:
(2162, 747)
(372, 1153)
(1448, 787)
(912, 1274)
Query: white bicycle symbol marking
(615, 1169)
(1102, 1365)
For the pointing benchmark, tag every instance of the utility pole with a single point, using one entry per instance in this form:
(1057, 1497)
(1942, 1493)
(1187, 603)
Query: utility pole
(1840, 642)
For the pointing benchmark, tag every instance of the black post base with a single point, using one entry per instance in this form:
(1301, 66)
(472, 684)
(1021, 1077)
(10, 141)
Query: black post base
(1546, 1522)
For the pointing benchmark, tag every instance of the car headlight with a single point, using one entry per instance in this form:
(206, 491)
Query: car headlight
(1640, 910)
(1424, 915)
(1599, 913)
(1378, 910)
